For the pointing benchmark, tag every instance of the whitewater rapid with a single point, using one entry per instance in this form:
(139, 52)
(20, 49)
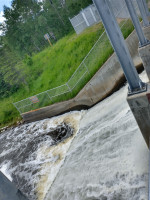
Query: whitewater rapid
(30, 157)
(106, 158)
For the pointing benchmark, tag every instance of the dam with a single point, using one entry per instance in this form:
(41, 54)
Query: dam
(106, 158)
(92, 154)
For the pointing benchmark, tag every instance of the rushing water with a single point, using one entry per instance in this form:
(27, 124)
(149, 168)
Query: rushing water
(31, 155)
(104, 156)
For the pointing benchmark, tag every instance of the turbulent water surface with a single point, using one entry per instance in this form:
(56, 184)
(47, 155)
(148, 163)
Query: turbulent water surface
(101, 156)
(31, 155)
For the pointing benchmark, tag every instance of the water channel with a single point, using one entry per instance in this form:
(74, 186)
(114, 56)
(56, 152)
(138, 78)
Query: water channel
(95, 154)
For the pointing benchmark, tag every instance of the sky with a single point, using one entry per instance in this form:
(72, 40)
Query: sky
(2, 3)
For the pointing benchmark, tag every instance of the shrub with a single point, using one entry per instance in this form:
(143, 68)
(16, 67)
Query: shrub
(28, 60)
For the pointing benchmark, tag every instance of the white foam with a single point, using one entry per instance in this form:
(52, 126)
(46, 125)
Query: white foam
(108, 159)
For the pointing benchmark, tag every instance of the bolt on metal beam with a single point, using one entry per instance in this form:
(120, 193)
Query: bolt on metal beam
(146, 8)
(143, 12)
(114, 33)
(143, 41)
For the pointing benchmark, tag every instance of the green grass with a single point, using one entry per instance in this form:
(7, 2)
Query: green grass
(55, 65)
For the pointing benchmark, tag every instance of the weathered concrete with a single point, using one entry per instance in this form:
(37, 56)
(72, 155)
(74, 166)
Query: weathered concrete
(146, 31)
(100, 86)
(8, 191)
(144, 53)
(140, 106)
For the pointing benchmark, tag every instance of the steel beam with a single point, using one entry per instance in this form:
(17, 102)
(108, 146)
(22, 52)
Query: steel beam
(118, 43)
(143, 41)
(146, 8)
(143, 12)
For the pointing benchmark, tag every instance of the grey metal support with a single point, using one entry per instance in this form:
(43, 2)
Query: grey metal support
(146, 8)
(136, 22)
(17, 107)
(91, 11)
(86, 68)
(143, 12)
(118, 43)
(68, 87)
(85, 19)
(49, 96)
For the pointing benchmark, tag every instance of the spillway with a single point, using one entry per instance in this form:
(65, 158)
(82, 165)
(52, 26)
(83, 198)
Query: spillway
(103, 158)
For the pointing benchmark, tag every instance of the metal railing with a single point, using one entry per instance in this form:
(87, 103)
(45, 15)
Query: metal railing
(90, 64)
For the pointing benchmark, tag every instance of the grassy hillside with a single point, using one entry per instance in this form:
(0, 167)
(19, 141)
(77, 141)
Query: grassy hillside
(55, 65)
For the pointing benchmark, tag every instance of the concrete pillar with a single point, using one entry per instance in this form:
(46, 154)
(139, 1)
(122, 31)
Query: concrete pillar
(118, 43)
(144, 53)
(146, 31)
(140, 106)
(143, 13)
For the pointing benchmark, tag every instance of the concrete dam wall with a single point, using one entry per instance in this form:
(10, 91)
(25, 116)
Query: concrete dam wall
(102, 84)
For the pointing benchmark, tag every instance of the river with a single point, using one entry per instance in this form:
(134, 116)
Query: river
(103, 156)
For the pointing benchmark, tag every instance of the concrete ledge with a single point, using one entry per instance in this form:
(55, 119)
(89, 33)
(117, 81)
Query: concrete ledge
(144, 53)
(146, 31)
(102, 84)
(8, 190)
(140, 106)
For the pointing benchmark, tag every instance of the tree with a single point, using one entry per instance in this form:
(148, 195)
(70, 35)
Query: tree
(11, 78)
(28, 21)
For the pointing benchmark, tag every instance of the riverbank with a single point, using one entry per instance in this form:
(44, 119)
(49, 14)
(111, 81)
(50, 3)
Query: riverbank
(106, 80)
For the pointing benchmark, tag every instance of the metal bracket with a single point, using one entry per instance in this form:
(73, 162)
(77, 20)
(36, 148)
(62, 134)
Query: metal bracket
(142, 89)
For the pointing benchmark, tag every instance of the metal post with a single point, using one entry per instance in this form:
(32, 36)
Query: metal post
(118, 43)
(136, 23)
(49, 96)
(17, 107)
(91, 11)
(143, 12)
(85, 19)
(69, 87)
(146, 8)
(86, 67)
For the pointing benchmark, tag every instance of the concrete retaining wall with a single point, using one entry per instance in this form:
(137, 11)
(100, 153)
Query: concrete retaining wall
(100, 86)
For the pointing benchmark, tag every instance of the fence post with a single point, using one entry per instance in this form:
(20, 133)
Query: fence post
(49, 96)
(86, 67)
(68, 87)
(91, 11)
(17, 108)
(85, 19)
